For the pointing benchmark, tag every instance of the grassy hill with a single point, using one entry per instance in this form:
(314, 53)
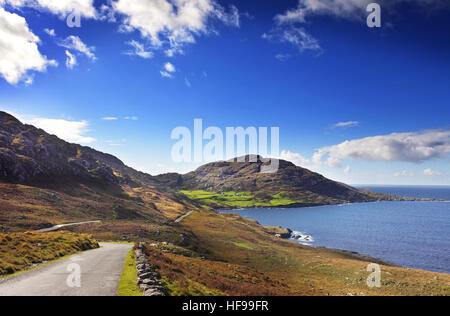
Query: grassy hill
(45, 181)
(240, 183)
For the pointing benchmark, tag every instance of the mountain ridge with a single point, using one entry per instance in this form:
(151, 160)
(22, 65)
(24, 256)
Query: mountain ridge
(31, 156)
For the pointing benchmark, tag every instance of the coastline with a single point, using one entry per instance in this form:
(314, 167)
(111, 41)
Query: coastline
(343, 251)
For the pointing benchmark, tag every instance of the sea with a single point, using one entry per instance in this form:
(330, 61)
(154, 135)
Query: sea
(409, 234)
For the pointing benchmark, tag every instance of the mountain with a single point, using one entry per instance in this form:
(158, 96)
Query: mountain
(294, 185)
(45, 180)
(30, 156)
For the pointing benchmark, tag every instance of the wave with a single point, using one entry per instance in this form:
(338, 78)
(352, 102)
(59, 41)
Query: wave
(299, 236)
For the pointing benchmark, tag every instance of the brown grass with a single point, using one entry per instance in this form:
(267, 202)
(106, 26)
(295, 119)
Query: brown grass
(185, 276)
(19, 251)
(303, 270)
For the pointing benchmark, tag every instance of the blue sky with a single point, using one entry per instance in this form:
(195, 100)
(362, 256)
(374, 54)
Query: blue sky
(360, 105)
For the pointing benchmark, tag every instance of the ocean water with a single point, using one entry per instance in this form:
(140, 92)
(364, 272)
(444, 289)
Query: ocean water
(409, 234)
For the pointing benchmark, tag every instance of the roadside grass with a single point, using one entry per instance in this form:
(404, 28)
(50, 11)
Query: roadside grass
(128, 282)
(22, 251)
(185, 276)
(43, 264)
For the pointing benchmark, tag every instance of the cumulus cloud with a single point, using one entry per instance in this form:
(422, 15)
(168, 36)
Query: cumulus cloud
(138, 50)
(168, 71)
(75, 43)
(71, 60)
(172, 24)
(431, 172)
(70, 131)
(295, 158)
(413, 147)
(110, 118)
(50, 32)
(19, 52)
(58, 7)
(346, 124)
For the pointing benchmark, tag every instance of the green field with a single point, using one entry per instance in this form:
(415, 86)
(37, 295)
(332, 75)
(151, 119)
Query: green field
(238, 199)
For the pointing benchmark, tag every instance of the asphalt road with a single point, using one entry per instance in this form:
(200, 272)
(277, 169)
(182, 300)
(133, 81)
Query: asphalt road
(54, 228)
(91, 273)
(178, 220)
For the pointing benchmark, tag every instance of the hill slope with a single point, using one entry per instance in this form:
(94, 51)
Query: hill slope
(289, 186)
(45, 181)
(30, 156)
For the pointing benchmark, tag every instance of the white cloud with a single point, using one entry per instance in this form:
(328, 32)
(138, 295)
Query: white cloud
(346, 124)
(131, 118)
(165, 74)
(19, 52)
(404, 173)
(295, 36)
(430, 172)
(187, 82)
(58, 7)
(50, 32)
(75, 43)
(168, 70)
(68, 130)
(346, 9)
(282, 57)
(139, 50)
(348, 169)
(169, 67)
(340, 8)
(110, 118)
(169, 25)
(295, 158)
(407, 147)
(116, 143)
(71, 60)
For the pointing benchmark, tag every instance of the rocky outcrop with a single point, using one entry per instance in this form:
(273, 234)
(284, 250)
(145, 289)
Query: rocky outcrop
(148, 278)
(297, 184)
(31, 156)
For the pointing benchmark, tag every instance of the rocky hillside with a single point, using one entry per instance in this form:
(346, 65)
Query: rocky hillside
(29, 155)
(294, 183)
(45, 180)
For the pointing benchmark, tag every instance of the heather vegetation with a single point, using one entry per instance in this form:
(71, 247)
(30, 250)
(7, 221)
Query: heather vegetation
(46, 181)
(19, 251)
